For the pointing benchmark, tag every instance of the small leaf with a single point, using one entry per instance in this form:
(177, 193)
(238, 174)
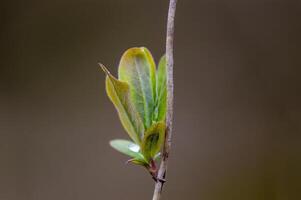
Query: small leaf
(161, 102)
(138, 69)
(157, 156)
(119, 94)
(138, 162)
(153, 140)
(128, 148)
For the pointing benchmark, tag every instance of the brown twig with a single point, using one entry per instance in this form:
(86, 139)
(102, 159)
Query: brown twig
(170, 87)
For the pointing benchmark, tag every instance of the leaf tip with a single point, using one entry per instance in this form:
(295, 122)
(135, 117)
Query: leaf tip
(104, 69)
(113, 142)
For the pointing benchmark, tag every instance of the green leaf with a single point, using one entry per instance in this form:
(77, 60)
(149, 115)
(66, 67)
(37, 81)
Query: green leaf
(161, 101)
(119, 94)
(138, 69)
(128, 148)
(138, 162)
(153, 140)
(157, 156)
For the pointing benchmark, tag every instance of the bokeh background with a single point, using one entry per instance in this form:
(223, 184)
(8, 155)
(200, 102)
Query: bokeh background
(237, 130)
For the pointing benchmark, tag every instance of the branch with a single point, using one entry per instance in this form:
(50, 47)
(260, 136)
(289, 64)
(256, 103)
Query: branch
(170, 88)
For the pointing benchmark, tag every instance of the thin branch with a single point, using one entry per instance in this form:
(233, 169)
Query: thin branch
(170, 88)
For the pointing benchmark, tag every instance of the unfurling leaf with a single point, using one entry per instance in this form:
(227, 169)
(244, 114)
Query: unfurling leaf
(119, 94)
(138, 69)
(153, 140)
(138, 162)
(161, 102)
(128, 148)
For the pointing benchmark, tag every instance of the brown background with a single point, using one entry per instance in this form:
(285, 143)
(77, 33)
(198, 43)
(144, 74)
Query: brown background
(237, 109)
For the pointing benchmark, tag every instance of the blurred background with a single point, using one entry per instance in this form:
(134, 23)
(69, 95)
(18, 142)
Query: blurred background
(237, 130)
